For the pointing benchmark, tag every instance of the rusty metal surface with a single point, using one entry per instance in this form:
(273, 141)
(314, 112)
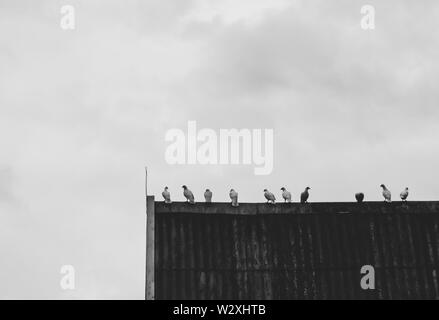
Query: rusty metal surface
(294, 251)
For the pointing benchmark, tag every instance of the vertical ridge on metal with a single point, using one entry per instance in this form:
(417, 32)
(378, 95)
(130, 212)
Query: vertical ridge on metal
(150, 239)
(150, 245)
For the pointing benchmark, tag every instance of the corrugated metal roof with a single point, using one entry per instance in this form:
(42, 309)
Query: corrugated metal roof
(296, 251)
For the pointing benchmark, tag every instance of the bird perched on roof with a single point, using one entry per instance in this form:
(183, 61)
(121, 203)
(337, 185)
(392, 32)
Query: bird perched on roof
(305, 195)
(386, 194)
(286, 194)
(166, 195)
(234, 196)
(188, 195)
(359, 196)
(404, 194)
(208, 195)
(269, 196)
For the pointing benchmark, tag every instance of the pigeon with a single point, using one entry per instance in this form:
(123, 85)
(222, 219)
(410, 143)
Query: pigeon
(404, 194)
(304, 195)
(208, 195)
(286, 194)
(188, 195)
(166, 195)
(269, 196)
(386, 194)
(234, 196)
(359, 196)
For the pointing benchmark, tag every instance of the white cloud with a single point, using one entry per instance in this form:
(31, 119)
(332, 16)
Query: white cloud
(228, 11)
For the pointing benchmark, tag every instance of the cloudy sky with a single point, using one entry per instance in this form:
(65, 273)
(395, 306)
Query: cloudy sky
(83, 111)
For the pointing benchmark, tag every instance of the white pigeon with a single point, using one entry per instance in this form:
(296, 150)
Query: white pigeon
(208, 195)
(188, 195)
(305, 195)
(269, 196)
(234, 196)
(286, 194)
(404, 194)
(386, 194)
(166, 195)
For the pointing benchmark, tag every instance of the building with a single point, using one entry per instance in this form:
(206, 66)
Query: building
(292, 251)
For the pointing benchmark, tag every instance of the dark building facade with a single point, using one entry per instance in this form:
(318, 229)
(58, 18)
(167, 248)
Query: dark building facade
(292, 251)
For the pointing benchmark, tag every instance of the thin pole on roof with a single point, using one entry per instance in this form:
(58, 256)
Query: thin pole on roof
(146, 249)
(146, 182)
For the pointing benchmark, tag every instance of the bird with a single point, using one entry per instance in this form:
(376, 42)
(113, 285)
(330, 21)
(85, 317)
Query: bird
(404, 194)
(386, 194)
(188, 195)
(305, 195)
(166, 195)
(234, 196)
(269, 196)
(286, 194)
(359, 196)
(208, 195)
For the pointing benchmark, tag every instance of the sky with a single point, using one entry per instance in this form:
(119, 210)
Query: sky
(83, 111)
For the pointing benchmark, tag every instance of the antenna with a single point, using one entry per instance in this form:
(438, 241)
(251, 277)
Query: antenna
(146, 181)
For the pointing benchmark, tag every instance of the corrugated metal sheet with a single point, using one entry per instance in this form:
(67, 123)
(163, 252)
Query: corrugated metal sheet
(294, 251)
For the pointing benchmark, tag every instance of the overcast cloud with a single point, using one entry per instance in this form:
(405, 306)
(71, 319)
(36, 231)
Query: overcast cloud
(83, 111)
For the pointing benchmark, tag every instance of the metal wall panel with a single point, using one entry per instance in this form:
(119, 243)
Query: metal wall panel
(295, 251)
